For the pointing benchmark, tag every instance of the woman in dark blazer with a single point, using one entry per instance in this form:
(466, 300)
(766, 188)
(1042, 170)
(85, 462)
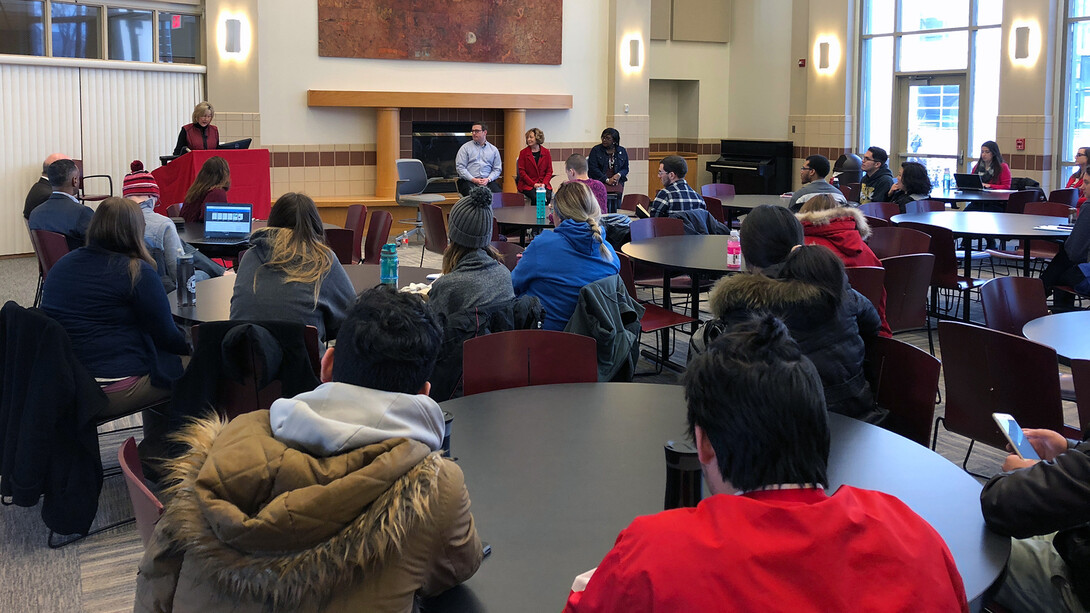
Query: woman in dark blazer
(608, 161)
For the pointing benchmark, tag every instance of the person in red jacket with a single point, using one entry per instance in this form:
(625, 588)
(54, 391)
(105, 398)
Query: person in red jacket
(200, 134)
(994, 172)
(769, 537)
(842, 229)
(535, 167)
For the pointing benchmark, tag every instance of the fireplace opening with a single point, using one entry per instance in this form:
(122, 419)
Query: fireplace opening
(436, 143)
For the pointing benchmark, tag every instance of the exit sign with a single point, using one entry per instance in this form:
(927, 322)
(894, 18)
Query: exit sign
(175, 22)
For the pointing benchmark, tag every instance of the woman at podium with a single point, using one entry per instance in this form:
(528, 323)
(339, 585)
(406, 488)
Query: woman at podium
(200, 134)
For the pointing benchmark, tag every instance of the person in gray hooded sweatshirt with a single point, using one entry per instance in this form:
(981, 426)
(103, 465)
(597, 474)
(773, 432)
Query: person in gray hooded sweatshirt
(335, 500)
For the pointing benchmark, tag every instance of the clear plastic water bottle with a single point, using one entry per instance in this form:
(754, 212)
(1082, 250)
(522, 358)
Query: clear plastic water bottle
(734, 251)
(187, 283)
(946, 180)
(541, 204)
(388, 265)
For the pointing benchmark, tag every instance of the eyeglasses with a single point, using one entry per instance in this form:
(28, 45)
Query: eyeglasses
(476, 131)
(1080, 155)
(867, 159)
(806, 168)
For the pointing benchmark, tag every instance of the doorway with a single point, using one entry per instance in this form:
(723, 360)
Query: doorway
(933, 124)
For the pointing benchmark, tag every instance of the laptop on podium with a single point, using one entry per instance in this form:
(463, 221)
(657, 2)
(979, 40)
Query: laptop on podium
(227, 224)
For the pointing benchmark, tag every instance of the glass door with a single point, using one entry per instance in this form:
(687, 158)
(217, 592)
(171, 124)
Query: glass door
(933, 125)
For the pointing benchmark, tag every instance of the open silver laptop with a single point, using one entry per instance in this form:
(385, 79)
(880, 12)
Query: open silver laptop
(227, 224)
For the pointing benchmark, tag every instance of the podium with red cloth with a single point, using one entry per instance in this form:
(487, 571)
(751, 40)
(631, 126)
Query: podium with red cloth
(250, 182)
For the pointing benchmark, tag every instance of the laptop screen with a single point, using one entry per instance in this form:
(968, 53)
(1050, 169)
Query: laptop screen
(227, 220)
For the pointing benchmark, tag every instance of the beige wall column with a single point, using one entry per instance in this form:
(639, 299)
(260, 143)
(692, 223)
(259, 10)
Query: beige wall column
(628, 99)
(514, 126)
(387, 146)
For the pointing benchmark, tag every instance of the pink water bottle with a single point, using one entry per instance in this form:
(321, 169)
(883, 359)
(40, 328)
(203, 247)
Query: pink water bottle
(734, 251)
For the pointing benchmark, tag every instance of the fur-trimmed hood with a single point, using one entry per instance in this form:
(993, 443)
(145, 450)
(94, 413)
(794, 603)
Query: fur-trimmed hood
(263, 522)
(828, 216)
(749, 293)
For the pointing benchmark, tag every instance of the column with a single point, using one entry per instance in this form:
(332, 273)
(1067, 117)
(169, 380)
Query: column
(514, 126)
(387, 148)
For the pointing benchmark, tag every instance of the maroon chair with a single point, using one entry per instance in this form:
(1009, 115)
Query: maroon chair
(1017, 201)
(850, 191)
(897, 240)
(50, 247)
(174, 210)
(1066, 195)
(1012, 302)
(987, 371)
(717, 190)
(904, 379)
(629, 202)
(435, 229)
(907, 279)
(655, 318)
(883, 210)
(877, 222)
(356, 220)
(521, 358)
(715, 207)
(501, 199)
(867, 280)
(145, 504)
(924, 206)
(946, 274)
(647, 275)
(340, 241)
(510, 252)
(378, 232)
(1080, 372)
(82, 195)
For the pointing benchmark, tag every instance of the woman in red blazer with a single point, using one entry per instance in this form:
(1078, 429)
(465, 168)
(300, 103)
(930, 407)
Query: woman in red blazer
(535, 167)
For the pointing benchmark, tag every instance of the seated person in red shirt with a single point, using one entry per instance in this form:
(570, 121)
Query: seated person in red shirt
(769, 538)
(211, 185)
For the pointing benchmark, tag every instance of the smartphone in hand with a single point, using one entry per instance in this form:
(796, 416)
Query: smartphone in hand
(1014, 435)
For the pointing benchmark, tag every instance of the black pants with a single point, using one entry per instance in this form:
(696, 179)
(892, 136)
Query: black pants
(464, 186)
(1061, 271)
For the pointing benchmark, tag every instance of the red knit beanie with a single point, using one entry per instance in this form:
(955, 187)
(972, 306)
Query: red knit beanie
(139, 181)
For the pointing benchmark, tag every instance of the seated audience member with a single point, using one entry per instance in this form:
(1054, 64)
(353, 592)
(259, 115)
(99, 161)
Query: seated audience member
(62, 212)
(211, 185)
(336, 499)
(473, 271)
(877, 178)
(769, 537)
(807, 288)
(107, 296)
(535, 167)
(842, 229)
(994, 172)
(576, 169)
(558, 263)
(813, 173)
(1065, 267)
(676, 194)
(1076, 180)
(1045, 507)
(289, 274)
(200, 134)
(911, 185)
(41, 190)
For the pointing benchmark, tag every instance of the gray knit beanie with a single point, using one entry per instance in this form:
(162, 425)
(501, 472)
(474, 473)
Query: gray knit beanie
(471, 219)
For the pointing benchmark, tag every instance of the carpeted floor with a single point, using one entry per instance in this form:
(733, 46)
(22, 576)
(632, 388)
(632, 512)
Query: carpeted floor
(98, 574)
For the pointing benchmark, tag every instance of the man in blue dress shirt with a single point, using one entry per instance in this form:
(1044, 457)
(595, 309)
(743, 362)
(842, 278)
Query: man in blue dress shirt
(478, 162)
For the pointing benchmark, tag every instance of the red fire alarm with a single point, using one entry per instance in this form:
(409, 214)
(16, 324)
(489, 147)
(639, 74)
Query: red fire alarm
(1020, 144)
(802, 63)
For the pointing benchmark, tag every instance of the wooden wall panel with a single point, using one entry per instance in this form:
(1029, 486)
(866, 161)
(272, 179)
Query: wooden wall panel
(702, 20)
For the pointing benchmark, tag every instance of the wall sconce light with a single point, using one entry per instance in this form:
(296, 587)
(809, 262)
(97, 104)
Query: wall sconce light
(634, 53)
(823, 56)
(1021, 43)
(1024, 43)
(233, 39)
(827, 52)
(631, 54)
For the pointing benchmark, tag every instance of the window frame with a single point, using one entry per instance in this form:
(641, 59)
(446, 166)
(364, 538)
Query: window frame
(1067, 144)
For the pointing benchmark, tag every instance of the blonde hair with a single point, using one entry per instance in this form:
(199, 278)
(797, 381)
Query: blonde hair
(820, 202)
(539, 136)
(118, 226)
(455, 252)
(201, 109)
(574, 200)
(298, 249)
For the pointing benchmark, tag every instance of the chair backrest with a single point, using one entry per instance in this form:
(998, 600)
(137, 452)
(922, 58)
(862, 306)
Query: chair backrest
(52, 246)
(630, 201)
(520, 358)
(628, 274)
(145, 504)
(501, 199)
(924, 206)
(850, 194)
(715, 207)
(945, 273)
(1016, 202)
(883, 210)
(877, 222)
(717, 190)
(897, 240)
(435, 227)
(340, 241)
(1010, 302)
(411, 178)
(987, 371)
(174, 210)
(1066, 195)
(643, 229)
(1052, 209)
(1080, 373)
(867, 280)
(356, 220)
(907, 279)
(904, 379)
(510, 252)
(378, 232)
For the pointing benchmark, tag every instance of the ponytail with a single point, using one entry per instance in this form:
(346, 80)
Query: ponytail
(574, 200)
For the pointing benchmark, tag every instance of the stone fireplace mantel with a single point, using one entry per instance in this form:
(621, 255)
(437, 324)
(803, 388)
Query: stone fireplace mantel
(388, 107)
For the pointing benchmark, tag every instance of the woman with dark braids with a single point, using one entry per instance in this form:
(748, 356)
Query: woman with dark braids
(558, 264)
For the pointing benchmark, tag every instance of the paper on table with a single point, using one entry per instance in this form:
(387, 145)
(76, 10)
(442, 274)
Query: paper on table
(1058, 228)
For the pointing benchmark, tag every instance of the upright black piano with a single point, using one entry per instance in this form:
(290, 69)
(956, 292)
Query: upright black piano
(754, 166)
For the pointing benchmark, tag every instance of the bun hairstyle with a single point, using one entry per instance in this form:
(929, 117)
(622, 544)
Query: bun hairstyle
(574, 200)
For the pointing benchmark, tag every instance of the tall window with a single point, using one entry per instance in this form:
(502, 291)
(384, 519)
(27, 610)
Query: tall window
(1076, 102)
(906, 42)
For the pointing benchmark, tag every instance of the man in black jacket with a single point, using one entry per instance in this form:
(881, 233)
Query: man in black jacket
(41, 190)
(877, 178)
(1046, 506)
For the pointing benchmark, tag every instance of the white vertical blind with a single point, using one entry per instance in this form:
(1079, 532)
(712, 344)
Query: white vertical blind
(105, 117)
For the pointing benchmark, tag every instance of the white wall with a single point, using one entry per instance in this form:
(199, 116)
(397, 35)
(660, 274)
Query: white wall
(759, 89)
(288, 39)
(708, 63)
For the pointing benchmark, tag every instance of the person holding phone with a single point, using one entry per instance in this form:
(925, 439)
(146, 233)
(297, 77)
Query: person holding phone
(1045, 505)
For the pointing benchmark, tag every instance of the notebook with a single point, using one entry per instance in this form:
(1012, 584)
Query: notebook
(968, 181)
(227, 224)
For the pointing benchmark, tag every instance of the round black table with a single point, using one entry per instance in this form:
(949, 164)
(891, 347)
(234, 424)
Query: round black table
(520, 217)
(985, 195)
(214, 295)
(1067, 333)
(556, 472)
(695, 255)
(973, 224)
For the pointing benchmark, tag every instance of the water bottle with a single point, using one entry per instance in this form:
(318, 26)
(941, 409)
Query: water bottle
(403, 240)
(187, 283)
(946, 181)
(734, 251)
(388, 265)
(683, 476)
(541, 204)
